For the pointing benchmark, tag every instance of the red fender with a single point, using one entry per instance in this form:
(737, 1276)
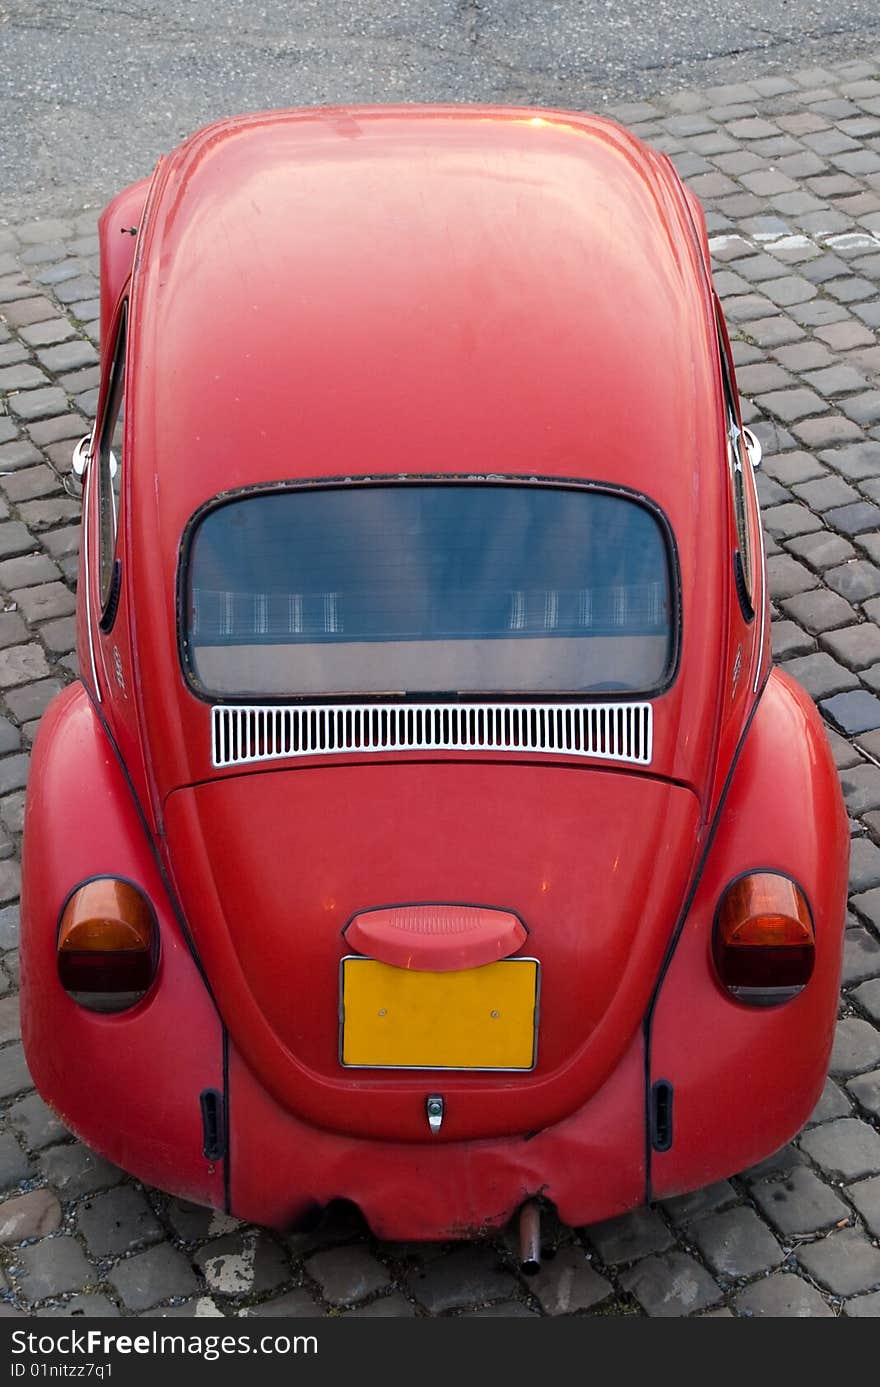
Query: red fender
(746, 1079)
(128, 1085)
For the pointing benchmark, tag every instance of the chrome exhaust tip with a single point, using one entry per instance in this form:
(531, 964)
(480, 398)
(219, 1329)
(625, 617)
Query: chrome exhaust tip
(530, 1238)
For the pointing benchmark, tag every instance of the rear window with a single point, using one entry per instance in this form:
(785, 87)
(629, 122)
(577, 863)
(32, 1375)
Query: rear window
(412, 589)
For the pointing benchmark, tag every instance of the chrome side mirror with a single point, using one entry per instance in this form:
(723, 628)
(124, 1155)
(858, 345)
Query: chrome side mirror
(753, 448)
(81, 455)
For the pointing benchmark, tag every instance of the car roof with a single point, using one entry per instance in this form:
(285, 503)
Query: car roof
(427, 290)
(422, 291)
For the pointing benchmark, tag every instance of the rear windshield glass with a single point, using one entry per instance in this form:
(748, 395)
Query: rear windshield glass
(424, 589)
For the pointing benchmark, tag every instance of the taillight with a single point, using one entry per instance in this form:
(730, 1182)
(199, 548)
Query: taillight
(108, 945)
(764, 945)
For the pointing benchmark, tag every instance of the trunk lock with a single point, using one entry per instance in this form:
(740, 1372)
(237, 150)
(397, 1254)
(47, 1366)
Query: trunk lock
(434, 1109)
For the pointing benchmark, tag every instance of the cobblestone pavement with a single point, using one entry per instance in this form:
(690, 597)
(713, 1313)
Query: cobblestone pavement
(789, 172)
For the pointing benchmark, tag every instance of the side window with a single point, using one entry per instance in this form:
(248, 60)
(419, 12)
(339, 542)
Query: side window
(110, 464)
(738, 460)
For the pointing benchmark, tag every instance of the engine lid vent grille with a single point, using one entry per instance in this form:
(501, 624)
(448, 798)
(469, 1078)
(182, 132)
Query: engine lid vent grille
(242, 734)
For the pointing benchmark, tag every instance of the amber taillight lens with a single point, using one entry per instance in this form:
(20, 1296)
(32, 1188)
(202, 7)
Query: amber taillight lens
(764, 945)
(108, 945)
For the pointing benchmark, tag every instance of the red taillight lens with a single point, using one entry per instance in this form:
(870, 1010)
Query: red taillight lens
(108, 945)
(764, 945)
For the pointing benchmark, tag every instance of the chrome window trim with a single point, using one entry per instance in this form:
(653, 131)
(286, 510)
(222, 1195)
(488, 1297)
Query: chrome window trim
(759, 663)
(87, 576)
(307, 484)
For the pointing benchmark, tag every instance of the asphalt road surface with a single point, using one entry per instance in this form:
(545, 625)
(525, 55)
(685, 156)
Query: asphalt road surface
(92, 92)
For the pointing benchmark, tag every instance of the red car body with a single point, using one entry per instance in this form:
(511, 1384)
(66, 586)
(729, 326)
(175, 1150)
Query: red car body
(441, 297)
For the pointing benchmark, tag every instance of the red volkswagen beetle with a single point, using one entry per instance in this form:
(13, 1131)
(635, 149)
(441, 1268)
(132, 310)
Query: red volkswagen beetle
(428, 827)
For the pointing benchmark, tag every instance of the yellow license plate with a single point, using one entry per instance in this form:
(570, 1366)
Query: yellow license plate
(479, 1018)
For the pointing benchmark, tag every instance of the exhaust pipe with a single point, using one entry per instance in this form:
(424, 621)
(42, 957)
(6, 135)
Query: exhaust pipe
(530, 1238)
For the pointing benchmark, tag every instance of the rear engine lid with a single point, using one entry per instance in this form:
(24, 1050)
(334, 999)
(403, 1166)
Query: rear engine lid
(271, 867)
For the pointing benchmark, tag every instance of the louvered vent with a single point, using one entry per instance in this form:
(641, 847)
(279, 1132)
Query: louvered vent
(608, 731)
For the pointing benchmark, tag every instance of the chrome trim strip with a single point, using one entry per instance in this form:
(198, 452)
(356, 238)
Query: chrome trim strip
(440, 1068)
(760, 662)
(87, 579)
(243, 734)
